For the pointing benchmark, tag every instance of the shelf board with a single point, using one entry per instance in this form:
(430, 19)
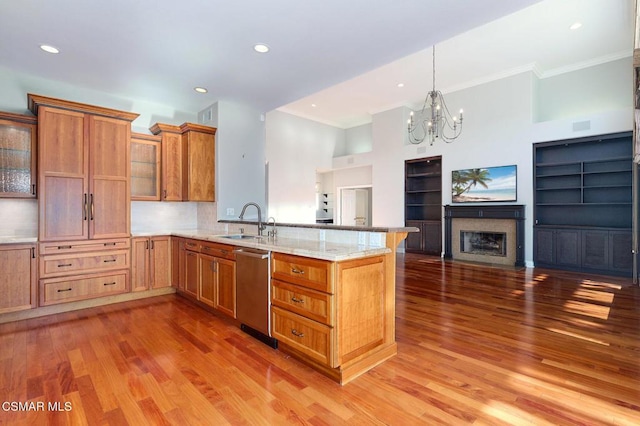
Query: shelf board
(428, 174)
(553, 175)
(422, 191)
(564, 188)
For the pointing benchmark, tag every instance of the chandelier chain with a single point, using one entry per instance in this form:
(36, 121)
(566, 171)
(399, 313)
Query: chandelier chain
(439, 121)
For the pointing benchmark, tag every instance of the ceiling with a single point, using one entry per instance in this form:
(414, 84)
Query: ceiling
(346, 57)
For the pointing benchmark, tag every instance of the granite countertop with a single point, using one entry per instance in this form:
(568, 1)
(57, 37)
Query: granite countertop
(309, 248)
(331, 226)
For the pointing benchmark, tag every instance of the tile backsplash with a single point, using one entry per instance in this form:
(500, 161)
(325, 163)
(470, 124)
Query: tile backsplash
(18, 217)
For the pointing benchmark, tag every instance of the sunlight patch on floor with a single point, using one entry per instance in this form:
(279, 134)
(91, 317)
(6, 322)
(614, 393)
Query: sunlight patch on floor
(587, 309)
(600, 284)
(577, 336)
(510, 414)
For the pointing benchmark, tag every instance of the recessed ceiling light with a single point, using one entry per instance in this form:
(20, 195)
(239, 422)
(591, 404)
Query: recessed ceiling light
(575, 25)
(49, 49)
(200, 89)
(313, 105)
(261, 48)
(400, 84)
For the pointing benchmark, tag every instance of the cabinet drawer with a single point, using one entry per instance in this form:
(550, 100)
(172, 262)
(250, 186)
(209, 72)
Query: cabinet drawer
(217, 250)
(309, 337)
(84, 246)
(58, 290)
(192, 245)
(312, 273)
(309, 303)
(65, 264)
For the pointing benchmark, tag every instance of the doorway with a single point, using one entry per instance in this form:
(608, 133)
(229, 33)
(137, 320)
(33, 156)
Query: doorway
(355, 206)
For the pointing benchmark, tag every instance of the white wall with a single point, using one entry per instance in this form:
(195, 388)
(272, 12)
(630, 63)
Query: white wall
(240, 158)
(359, 139)
(586, 91)
(296, 149)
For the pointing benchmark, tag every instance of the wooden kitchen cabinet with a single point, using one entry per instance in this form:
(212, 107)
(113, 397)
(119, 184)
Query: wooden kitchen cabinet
(171, 161)
(218, 277)
(84, 170)
(209, 274)
(198, 162)
(85, 269)
(17, 277)
(151, 265)
(178, 257)
(188, 161)
(146, 153)
(329, 313)
(191, 269)
(17, 156)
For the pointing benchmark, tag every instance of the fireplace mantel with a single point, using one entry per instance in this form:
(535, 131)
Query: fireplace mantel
(511, 211)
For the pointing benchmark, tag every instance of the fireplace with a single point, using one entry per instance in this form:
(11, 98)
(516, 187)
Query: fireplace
(487, 234)
(484, 243)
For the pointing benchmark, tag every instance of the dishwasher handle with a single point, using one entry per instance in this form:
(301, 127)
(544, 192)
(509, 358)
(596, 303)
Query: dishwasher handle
(258, 255)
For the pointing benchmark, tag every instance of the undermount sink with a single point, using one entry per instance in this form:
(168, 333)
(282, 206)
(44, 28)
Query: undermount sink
(241, 237)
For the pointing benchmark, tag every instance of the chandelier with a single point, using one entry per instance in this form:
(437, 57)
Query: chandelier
(435, 121)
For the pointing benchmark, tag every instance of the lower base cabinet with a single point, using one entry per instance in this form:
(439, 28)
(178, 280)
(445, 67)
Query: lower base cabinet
(151, 265)
(18, 266)
(428, 240)
(331, 314)
(71, 289)
(605, 251)
(85, 269)
(210, 275)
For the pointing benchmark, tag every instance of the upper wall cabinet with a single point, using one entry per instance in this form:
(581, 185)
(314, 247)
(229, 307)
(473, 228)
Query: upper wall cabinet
(145, 167)
(188, 162)
(171, 168)
(17, 156)
(84, 170)
(198, 162)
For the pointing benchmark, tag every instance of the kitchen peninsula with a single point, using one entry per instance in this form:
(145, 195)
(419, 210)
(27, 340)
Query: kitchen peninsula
(332, 290)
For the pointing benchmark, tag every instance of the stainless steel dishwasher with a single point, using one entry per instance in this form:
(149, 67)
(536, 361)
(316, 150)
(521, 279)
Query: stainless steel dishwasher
(253, 293)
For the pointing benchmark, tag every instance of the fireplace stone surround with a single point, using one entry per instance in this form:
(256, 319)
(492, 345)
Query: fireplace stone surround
(514, 212)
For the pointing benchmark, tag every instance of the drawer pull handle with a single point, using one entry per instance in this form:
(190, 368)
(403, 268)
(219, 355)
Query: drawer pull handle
(64, 247)
(111, 283)
(109, 244)
(109, 260)
(62, 265)
(296, 300)
(297, 333)
(64, 289)
(297, 271)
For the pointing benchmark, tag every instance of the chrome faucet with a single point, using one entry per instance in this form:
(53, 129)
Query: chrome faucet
(261, 226)
(273, 231)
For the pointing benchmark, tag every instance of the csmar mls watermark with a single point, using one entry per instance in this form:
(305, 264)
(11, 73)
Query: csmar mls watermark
(36, 406)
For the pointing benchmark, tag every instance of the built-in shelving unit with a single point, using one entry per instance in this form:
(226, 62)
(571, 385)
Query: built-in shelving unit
(423, 204)
(583, 203)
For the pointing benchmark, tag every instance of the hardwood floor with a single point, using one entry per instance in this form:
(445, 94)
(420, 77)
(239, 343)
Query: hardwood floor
(476, 345)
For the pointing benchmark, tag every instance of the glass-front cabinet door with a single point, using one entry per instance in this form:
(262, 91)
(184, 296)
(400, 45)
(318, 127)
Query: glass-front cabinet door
(145, 167)
(17, 156)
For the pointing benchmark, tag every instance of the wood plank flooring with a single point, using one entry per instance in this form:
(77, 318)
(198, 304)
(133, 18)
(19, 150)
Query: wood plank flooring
(476, 345)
